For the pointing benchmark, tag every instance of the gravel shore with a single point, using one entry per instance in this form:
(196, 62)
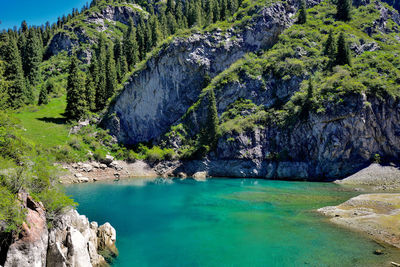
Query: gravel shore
(376, 176)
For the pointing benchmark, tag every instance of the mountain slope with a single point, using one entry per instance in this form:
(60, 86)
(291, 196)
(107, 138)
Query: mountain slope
(276, 129)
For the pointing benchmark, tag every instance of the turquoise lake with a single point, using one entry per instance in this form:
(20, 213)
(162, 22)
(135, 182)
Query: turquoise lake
(226, 222)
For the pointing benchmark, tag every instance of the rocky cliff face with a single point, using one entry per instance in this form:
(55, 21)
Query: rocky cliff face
(72, 241)
(76, 36)
(173, 79)
(333, 145)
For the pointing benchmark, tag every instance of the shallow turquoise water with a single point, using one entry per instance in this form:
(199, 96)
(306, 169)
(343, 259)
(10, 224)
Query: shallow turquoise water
(226, 222)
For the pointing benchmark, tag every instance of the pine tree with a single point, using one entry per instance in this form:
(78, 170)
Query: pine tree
(302, 13)
(90, 92)
(4, 98)
(101, 95)
(148, 36)
(130, 46)
(233, 6)
(76, 102)
(216, 11)
(170, 6)
(212, 119)
(180, 18)
(330, 49)
(224, 10)
(343, 52)
(14, 74)
(111, 74)
(155, 31)
(43, 96)
(172, 25)
(343, 9)
(140, 36)
(92, 82)
(121, 65)
(330, 45)
(209, 11)
(310, 89)
(33, 56)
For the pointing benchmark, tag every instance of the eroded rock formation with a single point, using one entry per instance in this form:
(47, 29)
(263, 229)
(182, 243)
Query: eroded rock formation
(71, 241)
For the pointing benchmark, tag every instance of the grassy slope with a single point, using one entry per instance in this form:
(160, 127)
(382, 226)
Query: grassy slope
(45, 125)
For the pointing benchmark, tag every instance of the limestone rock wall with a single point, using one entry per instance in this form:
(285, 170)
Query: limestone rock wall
(172, 80)
(72, 241)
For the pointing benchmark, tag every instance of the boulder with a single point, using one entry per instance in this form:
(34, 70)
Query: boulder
(200, 176)
(106, 239)
(182, 175)
(83, 179)
(115, 165)
(107, 160)
(87, 167)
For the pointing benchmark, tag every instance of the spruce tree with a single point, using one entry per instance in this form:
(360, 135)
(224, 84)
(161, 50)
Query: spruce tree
(43, 96)
(121, 65)
(212, 119)
(172, 25)
(343, 9)
(343, 56)
(90, 93)
(170, 6)
(180, 17)
(330, 45)
(111, 74)
(4, 98)
(155, 31)
(302, 13)
(209, 11)
(141, 37)
(330, 49)
(33, 56)
(148, 43)
(233, 6)
(14, 74)
(92, 82)
(130, 46)
(101, 95)
(76, 102)
(224, 10)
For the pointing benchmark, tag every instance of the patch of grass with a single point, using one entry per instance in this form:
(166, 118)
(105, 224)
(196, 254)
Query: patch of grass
(45, 125)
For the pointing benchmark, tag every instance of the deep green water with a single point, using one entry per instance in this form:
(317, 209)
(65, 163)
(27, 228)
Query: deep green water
(226, 222)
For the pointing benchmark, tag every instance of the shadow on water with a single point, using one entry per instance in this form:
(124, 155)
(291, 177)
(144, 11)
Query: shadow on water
(54, 120)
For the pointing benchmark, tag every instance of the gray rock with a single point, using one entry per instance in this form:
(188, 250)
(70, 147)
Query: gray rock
(107, 160)
(152, 101)
(200, 176)
(106, 238)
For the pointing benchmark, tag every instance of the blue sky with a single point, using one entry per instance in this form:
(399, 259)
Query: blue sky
(35, 12)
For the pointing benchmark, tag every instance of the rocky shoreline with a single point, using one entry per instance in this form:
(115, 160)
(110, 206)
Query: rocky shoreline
(377, 215)
(69, 240)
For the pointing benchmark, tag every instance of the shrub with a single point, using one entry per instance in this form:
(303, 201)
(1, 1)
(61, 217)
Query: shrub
(11, 212)
(99, 154)
(55, 201)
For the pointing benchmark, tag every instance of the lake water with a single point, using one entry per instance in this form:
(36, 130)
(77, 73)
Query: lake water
(226, 222)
